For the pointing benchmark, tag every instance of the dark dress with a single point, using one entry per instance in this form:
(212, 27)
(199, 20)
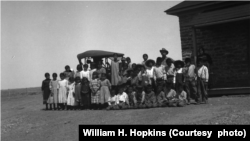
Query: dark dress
(85, 95)
(46, 90)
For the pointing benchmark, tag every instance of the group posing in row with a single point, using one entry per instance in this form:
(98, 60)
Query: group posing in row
(150, 84)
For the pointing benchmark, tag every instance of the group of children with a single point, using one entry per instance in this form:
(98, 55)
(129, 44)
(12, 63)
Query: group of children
(145, 85)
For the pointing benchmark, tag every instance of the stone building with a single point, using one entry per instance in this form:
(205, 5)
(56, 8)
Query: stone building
(222, 29)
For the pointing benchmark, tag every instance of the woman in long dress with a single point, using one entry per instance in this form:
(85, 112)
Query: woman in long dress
(115, 78)
(105, 90)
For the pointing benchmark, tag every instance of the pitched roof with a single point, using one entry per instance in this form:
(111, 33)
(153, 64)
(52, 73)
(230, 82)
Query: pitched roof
(188, 5)
(236, 12)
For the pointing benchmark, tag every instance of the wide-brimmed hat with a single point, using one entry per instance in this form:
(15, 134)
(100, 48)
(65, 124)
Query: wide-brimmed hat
(149, 61)
(164, 50)
(178, 62)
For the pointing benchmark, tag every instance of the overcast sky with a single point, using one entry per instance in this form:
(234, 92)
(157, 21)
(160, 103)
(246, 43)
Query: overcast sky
(39, 37)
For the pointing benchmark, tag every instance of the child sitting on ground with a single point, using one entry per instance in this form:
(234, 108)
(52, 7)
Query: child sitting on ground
(112, 101)
(131, 98)
(160, 97)
(150, 99)
(139, 97)
(170, 94)
(182, 96)
(122, 98)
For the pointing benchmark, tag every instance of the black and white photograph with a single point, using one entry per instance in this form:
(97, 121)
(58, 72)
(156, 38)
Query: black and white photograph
(66, 65)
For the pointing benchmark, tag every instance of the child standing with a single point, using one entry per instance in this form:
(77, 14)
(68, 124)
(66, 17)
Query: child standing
(178, 74)
(46, 89)
(95, 93)
(169, 69)
(78, 72)
(159, 72)
(68, 73)
(85, 94)
(92, 70)
(145, 58)
(150, 71)
(202, 80)
(150, 99)
(144, 77)
(105, 90)
(85, 72)
(54, 90)
(134, 80)
(71, 93)
(78, 92)
(190, 80)
(62, 91)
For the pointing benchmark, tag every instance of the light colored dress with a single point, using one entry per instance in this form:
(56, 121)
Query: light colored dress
(54, 90)
(62, 91)
(115, 78)
(71, 90)
(104, 91)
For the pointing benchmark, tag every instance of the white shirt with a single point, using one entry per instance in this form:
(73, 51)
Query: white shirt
(85, 74)
(150, 72)
(122, 97)
(112, 100)
(203, 73)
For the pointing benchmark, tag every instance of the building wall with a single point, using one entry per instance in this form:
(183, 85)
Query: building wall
(228, 45)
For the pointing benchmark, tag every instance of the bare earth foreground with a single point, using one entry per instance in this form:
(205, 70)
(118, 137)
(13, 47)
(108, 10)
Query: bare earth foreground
(23, 117)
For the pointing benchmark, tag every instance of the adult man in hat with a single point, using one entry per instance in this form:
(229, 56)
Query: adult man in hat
(164, 54)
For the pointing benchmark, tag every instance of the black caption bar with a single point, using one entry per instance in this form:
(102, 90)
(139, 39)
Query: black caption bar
(164, 131)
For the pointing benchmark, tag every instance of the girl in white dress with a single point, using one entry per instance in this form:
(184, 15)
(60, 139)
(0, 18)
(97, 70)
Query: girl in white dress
(62, 91)
(71, 93)
(54, 90)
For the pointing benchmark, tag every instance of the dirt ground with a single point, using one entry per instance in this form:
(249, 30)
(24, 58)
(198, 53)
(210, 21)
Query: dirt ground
(23, 118)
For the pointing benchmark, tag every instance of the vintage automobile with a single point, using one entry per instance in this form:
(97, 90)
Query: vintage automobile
(98, 56)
